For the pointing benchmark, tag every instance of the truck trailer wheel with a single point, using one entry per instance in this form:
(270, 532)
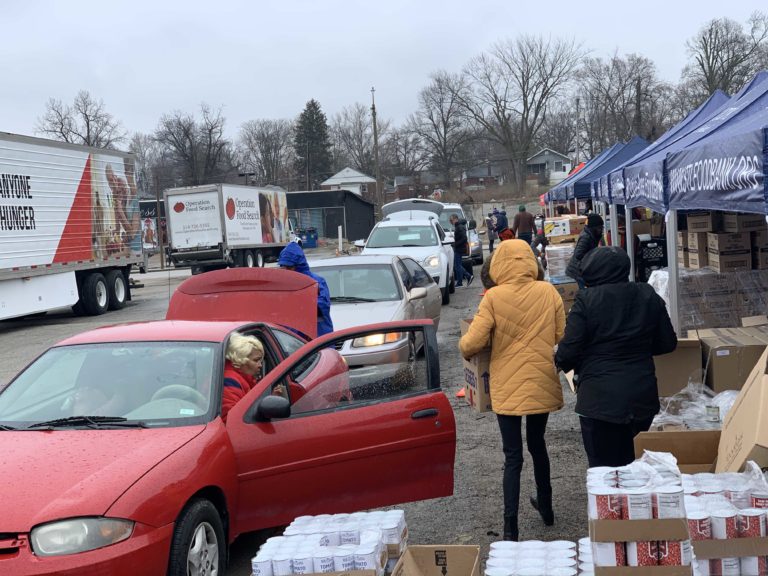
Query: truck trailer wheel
(259, 257)
(248, 260)
(94, 294)
(117, 289)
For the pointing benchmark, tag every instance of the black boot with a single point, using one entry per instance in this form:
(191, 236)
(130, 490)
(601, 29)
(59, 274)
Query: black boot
(543, 505)
(510, 528)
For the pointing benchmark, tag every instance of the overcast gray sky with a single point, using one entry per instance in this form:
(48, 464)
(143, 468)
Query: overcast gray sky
(265, 58)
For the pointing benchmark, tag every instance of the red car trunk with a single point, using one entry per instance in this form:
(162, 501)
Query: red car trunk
(251, 294)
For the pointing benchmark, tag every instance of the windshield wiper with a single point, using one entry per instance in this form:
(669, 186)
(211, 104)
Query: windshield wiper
(6, 427)
(90, 421)
(350, 299)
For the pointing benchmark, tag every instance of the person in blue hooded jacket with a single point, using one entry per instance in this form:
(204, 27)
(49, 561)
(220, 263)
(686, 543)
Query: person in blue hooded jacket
(292, 258)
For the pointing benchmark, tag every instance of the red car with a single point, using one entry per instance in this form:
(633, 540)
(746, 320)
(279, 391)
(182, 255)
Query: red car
(116, 461)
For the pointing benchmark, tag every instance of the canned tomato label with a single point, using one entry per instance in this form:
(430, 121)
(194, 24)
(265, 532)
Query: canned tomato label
(282, 565)
(757, 565)
(725, 567)
(724, 525)
(605, 504)
(344, 559)
(669, 502)
(636, 505)
(366, 558)
(699, 525)
(751, 523)
(642, 554)
(759, 500)
(675, 553)
(609, 554)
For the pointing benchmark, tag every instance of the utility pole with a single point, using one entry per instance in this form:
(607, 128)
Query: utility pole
(159, 234)
(578, 101)
(379, 190)
(306, 158)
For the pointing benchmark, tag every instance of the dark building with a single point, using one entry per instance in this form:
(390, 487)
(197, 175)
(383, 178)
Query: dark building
(326, 210)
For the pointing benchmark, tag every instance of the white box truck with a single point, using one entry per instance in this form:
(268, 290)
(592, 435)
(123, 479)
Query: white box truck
(70, 227)
(219, 225)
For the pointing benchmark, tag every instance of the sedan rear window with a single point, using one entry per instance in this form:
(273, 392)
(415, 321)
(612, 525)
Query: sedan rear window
(402, 236)
(157, 383)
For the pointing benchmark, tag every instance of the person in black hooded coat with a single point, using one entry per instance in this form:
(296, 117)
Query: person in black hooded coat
(614, 329)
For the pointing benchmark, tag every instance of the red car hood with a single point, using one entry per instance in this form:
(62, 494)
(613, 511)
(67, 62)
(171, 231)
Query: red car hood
(65, 473)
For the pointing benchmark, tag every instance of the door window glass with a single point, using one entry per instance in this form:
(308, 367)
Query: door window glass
(404, 276)
(420, 277)
(367, 369)
(290, 344)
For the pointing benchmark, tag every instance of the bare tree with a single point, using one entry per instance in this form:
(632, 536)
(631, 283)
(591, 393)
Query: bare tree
(506, 92)
(85, 121)
(623, 96)
(441, 124)
(559, 129)
(404, 153)
(352, 135)
(198, 148)
(266, 148)
(724, 54)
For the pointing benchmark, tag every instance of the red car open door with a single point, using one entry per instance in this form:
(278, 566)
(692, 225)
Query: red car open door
(390, 439)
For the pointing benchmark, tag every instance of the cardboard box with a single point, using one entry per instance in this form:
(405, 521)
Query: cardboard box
(736, 222)
(439, 561)
(728, 243)
(674, 370)
(754, 321)
(760, 259)
(759, 239)
(730, 262)
(697, 242)
(729, 355)
(695, 450)
(702, 222)
(640, 531)
(733, 548)
(683, 257)
(477, 376)
(565, 226)
(682, 240)
(745, 429)
(641, 227)
(697, 260)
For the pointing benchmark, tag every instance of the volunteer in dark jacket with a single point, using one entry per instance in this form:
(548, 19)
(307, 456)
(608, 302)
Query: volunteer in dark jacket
(292, 257)
(589, 239)
(614, 329)
(524, 225)
(460, 249)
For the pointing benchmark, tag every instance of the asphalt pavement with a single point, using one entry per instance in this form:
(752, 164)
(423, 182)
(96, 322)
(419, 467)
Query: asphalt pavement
(473, 515)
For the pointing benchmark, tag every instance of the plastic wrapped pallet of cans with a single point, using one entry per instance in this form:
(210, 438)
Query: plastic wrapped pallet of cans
(637, 518)
(558, 258)
(368, 542)
(707, 299)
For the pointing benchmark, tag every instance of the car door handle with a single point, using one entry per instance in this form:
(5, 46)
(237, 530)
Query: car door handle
(426, 413)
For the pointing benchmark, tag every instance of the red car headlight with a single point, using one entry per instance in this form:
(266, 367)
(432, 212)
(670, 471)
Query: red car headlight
(77, 535)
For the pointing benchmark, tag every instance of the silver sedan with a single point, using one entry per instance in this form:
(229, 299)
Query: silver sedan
(378, 288)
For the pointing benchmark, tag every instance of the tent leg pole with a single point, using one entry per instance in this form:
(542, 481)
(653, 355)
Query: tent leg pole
(630, 240)
(673, 269)
(615, 225)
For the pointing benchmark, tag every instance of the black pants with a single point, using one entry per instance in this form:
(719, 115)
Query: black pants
(512, 442)
(609, 444)
(526, 237)
(490, 244)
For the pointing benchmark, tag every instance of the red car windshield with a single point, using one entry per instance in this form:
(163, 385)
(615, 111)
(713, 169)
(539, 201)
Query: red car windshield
(157, 383)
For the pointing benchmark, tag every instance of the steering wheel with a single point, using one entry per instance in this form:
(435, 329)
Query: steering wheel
(181, 392)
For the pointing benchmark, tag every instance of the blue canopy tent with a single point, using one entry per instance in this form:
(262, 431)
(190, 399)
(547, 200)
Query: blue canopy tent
(725, 170)
(558, 193)
(587, 185)
(612, 184)
(579, 187)
(644, 181)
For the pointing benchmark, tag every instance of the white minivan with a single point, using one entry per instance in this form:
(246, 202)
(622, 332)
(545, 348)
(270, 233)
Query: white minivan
(416, 233)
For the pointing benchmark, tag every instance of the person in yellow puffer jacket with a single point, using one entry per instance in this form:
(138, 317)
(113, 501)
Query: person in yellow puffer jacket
(521, 319)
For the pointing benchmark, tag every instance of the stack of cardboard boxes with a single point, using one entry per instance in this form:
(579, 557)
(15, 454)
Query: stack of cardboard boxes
(564, 229)
(724, 242)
